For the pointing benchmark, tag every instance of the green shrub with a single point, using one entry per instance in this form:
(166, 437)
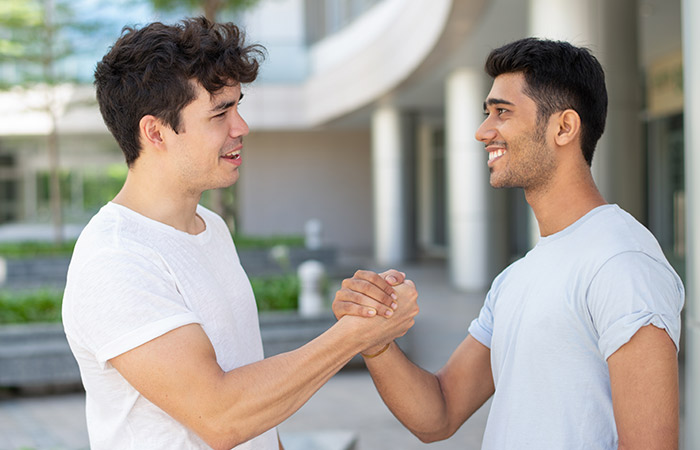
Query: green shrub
(33, 249)
(44, 305)
(32, 306)
(276, 293)
(256, 242)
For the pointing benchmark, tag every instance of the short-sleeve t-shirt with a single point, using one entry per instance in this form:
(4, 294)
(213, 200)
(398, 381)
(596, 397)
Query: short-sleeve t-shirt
(132, 279)
(551, 320)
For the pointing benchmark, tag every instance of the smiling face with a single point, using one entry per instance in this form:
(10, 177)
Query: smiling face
(519, 154)
(205, 153)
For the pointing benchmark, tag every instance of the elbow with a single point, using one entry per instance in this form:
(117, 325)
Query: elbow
(224, 440)
(219, 434)
(221, 440)
(429, 437)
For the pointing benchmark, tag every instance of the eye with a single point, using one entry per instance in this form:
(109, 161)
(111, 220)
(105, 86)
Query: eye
(220, 115)
(501, 111)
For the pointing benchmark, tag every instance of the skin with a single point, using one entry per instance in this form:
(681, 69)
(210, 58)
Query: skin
(178, 371)
(546, 161)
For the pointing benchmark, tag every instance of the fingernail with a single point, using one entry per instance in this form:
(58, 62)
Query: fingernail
(371, 312)
(394, 296)
(394, 305)
(388, 313)
(391, 279)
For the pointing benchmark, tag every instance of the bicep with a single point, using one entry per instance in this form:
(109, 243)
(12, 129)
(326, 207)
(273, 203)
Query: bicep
(177, 372)
(466, 380)
(644, 386)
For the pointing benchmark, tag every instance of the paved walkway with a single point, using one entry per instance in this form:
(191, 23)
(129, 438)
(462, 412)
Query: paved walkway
(348, 402)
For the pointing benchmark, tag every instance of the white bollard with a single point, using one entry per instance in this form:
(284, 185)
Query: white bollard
(311, 274)
(313, 229)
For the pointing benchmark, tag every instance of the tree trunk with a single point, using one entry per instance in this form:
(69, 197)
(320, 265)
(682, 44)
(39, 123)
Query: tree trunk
(52, 142)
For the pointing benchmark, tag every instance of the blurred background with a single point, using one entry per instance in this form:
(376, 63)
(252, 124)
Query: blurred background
(362, 132)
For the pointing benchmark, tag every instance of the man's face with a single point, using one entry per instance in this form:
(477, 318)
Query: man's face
(206, 152)
(519, 154)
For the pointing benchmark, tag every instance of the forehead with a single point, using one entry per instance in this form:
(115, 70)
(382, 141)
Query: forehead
(205, 97)
(509, 88)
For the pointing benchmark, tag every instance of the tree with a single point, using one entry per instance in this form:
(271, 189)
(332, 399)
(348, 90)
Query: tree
(211, 8)
(36, 36)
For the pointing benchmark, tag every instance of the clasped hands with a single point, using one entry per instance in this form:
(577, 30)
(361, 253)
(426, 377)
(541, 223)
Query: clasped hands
(386, 301)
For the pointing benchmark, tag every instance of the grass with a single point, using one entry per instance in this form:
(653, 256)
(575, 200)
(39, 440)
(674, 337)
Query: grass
(44, 305)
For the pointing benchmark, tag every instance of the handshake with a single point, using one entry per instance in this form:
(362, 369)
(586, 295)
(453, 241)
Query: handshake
(381, 307)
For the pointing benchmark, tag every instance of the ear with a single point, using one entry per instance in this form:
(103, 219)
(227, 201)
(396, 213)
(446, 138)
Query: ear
(150, 129)
(568, 127)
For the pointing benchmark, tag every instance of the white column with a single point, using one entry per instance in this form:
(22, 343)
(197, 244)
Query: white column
(574, 22)
(424, 182)
(564, 20)
(691, 117)
(388, 179)
(609, 30)
(467, 181)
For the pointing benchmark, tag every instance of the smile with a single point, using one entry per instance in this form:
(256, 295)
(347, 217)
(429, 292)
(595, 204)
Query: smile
(496, 154)
(233, 155)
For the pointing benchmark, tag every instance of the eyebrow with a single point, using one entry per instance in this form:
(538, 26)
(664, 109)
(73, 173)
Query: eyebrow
(226, 104)
(496, 101)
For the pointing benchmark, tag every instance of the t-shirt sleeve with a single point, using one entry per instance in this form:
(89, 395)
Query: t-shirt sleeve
(630, 291)
(481, 328)
(124, 300)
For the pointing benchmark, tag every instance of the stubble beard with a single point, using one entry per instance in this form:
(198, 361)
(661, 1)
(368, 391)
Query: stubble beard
(530, 163)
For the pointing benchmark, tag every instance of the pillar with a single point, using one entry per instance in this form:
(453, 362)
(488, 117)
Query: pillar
(691, 115)
(609, 30)
(388, 182)
(467, 181)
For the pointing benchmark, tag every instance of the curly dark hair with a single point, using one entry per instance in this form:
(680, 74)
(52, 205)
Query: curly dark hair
(558, 76)
(149, 71)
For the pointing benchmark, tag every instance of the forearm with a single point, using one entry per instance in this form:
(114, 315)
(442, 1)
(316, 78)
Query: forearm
(254, 398)
(412, 394)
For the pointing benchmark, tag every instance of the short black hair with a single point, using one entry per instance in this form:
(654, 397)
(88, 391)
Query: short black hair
(150, 71)
(558, 76)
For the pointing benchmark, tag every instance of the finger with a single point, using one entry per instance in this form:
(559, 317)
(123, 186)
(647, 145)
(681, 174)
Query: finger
(352, 293)
(372, 291)
(393, 276)
(344, 308)
(378, 281)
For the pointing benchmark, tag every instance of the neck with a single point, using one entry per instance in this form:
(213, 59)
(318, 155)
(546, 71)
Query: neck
(565, 200)
(154, 197)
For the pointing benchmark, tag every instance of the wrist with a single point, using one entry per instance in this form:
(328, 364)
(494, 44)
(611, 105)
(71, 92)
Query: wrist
(374, 352)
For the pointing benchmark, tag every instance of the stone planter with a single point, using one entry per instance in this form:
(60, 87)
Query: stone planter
(38, 355)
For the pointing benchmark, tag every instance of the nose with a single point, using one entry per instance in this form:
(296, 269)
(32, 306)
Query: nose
(239, 127)
(485, 133)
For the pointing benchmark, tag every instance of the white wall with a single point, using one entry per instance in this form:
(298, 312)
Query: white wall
(290, 177)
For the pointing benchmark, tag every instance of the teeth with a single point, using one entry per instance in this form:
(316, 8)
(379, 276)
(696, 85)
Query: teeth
(232, 154)
(495, 154)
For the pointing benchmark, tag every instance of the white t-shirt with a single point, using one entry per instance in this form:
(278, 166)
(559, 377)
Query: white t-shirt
(132, 279)
(553, 318)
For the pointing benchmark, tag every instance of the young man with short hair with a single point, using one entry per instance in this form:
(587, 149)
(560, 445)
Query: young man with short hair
(157, 309)
(577, 341)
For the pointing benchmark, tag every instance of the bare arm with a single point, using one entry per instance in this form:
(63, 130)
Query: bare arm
(178, 372)
(434, 406)
(644, 384)
(431, 406)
